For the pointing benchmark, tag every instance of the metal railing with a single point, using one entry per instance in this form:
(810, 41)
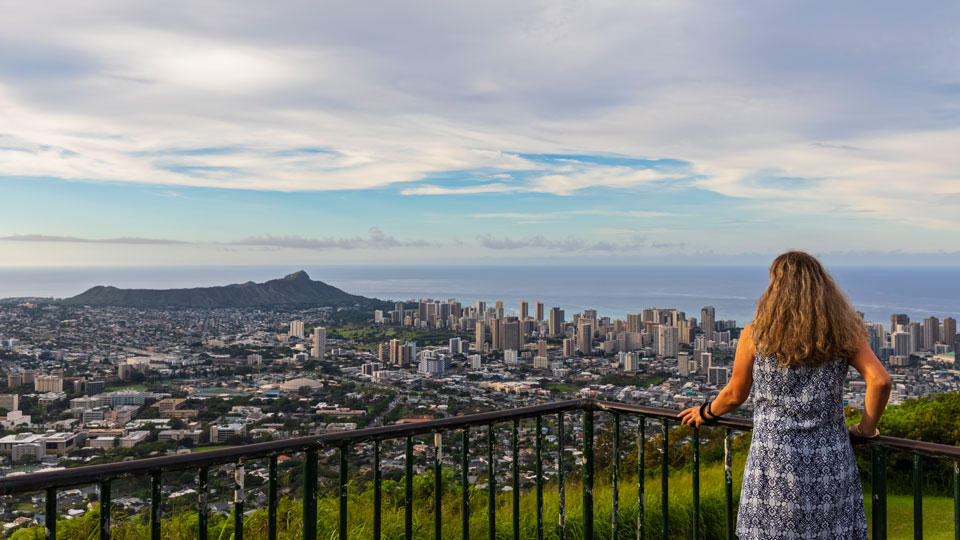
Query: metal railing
(104, 475)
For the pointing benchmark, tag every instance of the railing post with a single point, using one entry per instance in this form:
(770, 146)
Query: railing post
(408, 491)
(516, 479)
(377, 490)
(588, 474)
(155, 477)
(491, 488)
(879, 510)
(50, 517)
(437, 486)
(956, 500)
(272, 498)
(696, 482)
(310, 495)
(917, 498)
(561, 490)
(344, 477)
(728, 479)
(641, 456)
(105, 510)
(203, 492)
(238, 477)
(238, 496)
(538, 442)
(615, 478)
(664, 479)
(464, 484)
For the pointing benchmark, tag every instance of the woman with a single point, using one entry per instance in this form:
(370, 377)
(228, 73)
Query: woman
(800, 479)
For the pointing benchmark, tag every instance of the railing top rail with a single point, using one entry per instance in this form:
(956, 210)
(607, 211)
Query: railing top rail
(95, 473)
(921, 447)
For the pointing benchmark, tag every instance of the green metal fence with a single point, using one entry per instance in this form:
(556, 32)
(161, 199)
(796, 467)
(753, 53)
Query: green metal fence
(104, 475)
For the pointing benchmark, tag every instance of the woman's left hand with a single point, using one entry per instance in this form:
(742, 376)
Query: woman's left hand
(691, 417)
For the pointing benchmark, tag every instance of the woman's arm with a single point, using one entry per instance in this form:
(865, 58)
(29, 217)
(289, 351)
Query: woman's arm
(878, 389)
(737, 390)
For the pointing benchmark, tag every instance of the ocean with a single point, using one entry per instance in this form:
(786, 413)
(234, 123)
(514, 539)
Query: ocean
(613, 291)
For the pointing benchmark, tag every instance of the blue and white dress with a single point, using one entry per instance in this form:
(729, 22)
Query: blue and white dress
(801, 479)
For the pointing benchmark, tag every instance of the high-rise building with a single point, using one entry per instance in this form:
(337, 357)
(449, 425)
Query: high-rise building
(401, 353)
(916, 336)
(511, 334)
(541, 362)
(296, 329)
(950, 332)
(931, 332)
(556, 322)
(668, 341)
(718, 376)
(705, 362)
(524, 310)
(585, 335)
(707, 318)
(631, 361)
(539, 311)
(454, 346)
(897, 320)
(542, 347)
(48, 383)
(635, 323)
(319, 342)
(683, 364)
(902, 343)
(568, 347)
(481, 335)
(14, 380)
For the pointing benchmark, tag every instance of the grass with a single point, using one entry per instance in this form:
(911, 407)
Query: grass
(938, 513)
(937, 517)
(208, 448)
(139, 387)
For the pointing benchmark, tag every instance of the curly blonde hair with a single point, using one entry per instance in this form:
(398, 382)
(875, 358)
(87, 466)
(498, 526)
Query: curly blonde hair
(803, 318)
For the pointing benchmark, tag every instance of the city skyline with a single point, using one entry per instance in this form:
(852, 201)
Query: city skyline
(297, 133)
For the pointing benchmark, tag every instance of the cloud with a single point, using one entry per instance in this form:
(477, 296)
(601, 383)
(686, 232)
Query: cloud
(178, 95)
(42, 238)
(428, 189)
(565, 244)
(376, 240)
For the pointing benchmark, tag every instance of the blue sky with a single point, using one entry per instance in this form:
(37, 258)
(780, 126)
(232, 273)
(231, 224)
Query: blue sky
(633, 132)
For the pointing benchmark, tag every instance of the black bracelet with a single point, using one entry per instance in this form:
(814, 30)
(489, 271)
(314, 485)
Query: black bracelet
(712, 419)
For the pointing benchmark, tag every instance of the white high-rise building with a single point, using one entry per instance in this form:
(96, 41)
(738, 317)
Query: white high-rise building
(296, 329)
(475, 362)
(454, 345)
(683, 364)
(668, 341)
(319, 342)
(631, 362)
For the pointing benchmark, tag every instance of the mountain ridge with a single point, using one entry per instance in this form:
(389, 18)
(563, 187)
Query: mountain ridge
(296, 289)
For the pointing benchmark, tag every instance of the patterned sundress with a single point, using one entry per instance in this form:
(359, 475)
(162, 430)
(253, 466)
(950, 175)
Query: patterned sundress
(801, 479)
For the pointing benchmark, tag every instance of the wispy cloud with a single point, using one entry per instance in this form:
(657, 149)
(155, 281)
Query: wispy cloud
(563, 244)
(375, 240)
(43, 238)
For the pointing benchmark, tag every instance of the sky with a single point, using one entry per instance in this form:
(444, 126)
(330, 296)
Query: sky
(676, 132)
